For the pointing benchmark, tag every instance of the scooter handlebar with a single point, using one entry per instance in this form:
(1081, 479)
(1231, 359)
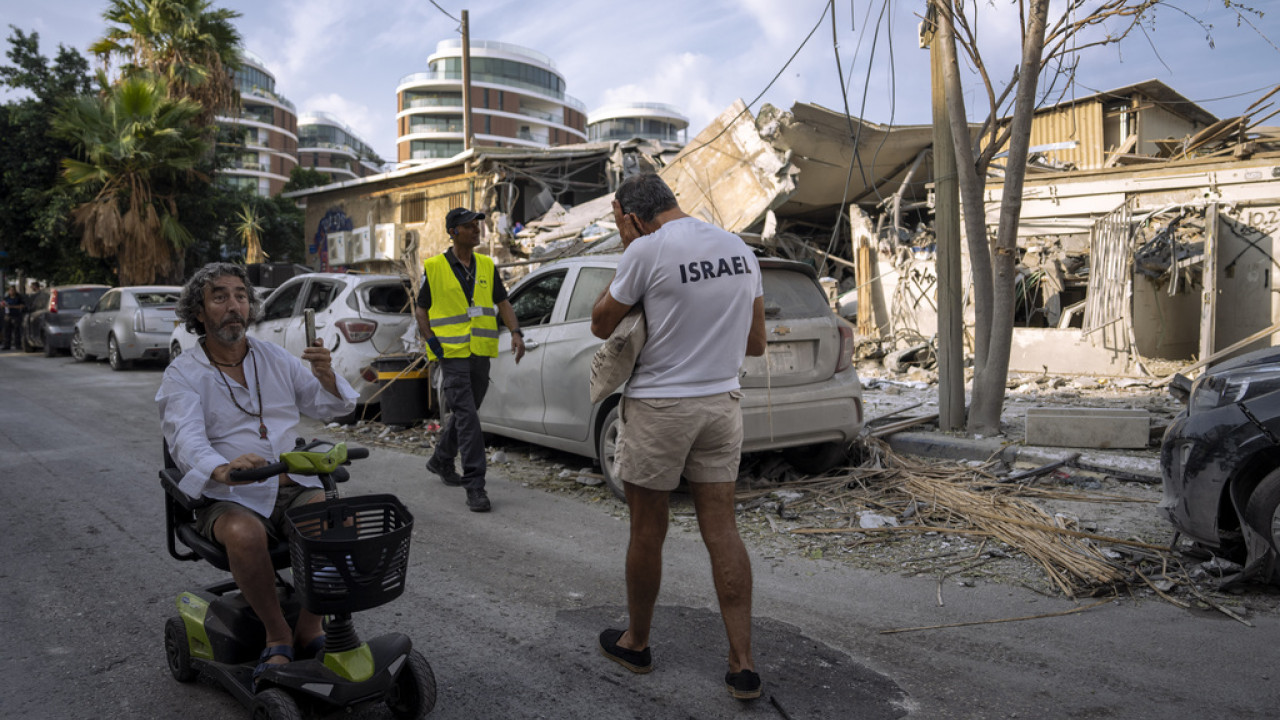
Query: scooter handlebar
(257, 474)
(270, 470)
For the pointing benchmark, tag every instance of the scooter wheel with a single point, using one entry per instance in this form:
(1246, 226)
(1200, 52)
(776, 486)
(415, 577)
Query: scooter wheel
(275, 704)
(414, 694)
(177, 650)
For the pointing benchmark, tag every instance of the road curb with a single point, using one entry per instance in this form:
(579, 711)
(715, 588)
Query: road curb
(949, 447)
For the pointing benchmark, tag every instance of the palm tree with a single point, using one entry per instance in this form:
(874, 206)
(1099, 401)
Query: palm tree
(186, 42)
(249, 228)
(137, 144)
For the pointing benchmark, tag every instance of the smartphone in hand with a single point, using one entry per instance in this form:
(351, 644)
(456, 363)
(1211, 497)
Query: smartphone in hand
(309, 319)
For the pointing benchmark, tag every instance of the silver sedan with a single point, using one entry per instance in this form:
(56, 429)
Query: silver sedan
(127, 324)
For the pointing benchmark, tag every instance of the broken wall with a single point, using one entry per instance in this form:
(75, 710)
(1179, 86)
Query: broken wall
(1246, 274)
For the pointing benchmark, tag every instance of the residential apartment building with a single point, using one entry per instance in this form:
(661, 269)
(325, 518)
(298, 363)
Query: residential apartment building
(263, 139)
(327, 145)
(650, 121)
(517, 100)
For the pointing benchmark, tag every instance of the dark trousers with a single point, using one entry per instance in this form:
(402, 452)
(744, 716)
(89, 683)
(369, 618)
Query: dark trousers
(464, 381)
(12, 331)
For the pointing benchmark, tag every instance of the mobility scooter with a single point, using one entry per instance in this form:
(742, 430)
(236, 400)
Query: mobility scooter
(346, 555)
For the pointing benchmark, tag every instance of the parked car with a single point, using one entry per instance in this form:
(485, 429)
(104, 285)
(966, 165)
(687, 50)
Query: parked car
(51, 319)
(359, 317)
(128, 324)
(1220, 461)
(803, 396)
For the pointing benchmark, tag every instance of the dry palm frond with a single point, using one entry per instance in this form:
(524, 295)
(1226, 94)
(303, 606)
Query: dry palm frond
(952, 498)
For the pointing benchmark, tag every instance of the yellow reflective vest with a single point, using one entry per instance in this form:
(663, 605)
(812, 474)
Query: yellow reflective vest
(463, 330)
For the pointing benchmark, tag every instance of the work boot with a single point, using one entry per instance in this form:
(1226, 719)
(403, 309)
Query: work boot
(478, 500)
(448, 475)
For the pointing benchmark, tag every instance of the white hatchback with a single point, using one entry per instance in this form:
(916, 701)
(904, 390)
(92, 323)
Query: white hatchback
(359, 317)
(803, 397)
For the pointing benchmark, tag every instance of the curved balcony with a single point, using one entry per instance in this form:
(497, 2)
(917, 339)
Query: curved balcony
(455, 78)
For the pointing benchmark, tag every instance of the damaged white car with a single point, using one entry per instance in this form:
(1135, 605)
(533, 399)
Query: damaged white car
(803, 396)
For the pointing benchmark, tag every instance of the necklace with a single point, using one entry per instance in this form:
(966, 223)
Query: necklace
(257, 386)
(209, 355)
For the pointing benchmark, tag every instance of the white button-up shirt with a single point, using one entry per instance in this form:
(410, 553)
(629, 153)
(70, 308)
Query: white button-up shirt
(205, 429)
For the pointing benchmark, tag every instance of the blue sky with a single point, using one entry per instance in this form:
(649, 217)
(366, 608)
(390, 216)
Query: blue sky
(346, 57)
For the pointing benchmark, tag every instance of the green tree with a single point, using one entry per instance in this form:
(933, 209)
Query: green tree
(193, 46)
(137, 144)
(34, 205)
(301, 178)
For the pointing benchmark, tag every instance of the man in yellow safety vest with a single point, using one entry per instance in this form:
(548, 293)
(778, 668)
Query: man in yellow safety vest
(457, 313)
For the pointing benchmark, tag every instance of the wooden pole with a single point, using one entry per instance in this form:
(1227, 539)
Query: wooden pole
(466, 81)
(864, 271)
(946, 216)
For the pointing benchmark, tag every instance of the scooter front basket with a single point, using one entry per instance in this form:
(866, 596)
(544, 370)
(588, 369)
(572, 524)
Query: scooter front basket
(349, 554)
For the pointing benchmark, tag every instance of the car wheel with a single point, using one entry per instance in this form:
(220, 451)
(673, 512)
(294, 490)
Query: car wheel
(49, 349)
(113, 355)
(817, 459)
(77, 348)
(1261, 510)
(607, 451)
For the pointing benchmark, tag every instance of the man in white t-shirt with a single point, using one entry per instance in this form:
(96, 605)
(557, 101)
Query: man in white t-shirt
(704, 310)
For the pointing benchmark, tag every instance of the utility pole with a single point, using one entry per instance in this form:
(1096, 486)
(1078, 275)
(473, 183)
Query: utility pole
(946, 226)
(466, 81)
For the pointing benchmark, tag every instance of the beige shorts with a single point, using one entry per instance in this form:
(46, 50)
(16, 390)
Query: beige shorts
(662, 439)
(288, 497)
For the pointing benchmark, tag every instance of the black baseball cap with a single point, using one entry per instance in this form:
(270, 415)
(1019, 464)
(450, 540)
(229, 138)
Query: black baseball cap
(460, 216)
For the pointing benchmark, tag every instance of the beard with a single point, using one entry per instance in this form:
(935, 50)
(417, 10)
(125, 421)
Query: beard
(231, 330)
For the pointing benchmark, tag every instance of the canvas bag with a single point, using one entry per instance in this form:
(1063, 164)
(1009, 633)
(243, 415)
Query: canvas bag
(615, 360)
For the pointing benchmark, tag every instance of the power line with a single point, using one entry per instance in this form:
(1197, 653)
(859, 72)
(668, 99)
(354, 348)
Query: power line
(446, 12)
(730, 123)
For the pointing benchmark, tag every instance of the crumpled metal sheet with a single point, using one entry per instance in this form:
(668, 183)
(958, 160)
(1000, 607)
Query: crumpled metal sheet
(729, 175)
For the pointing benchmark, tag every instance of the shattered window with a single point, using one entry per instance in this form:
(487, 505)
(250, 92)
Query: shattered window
(534, 302)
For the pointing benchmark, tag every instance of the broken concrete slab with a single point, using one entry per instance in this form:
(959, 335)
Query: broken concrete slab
(729, 175)
(1081, 427)
(1066, 352)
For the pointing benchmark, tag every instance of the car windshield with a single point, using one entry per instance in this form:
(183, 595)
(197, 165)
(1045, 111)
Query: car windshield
(790, 294)
(71, 299)
(156, 298)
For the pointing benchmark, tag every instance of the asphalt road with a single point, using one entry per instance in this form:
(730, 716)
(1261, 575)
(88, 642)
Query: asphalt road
(506, 606)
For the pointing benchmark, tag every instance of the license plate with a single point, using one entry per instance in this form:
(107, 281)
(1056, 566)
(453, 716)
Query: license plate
(782, 358)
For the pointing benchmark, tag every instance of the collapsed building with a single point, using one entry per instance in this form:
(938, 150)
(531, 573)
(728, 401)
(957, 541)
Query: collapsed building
(1147, 224)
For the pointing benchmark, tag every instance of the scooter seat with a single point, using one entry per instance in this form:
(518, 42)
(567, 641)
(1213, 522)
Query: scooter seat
(180, 519)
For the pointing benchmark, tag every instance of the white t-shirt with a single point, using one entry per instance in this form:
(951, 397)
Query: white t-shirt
(698, 284)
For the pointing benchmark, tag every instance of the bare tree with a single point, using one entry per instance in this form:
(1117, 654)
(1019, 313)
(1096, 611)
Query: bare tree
(1047, 48)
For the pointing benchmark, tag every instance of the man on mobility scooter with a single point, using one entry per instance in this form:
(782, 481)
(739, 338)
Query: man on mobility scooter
(229, 406)
(225, 409)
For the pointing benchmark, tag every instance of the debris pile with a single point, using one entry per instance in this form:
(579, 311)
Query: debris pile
(890, 497)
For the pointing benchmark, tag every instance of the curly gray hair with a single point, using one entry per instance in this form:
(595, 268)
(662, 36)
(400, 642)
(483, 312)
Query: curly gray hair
(192, 299)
